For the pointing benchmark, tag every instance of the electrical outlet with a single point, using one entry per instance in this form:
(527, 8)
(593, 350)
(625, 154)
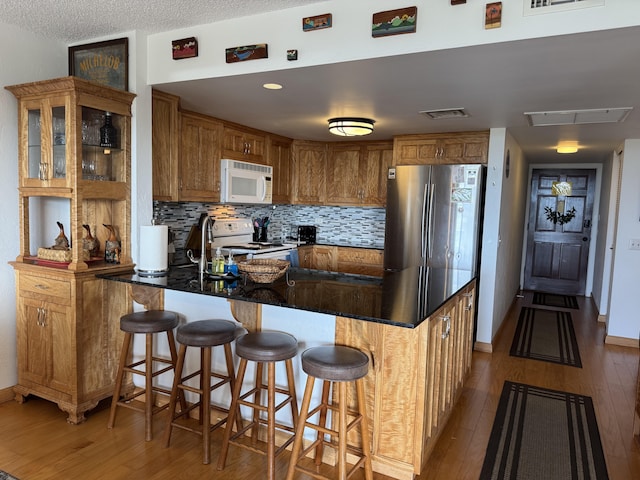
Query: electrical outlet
(634, 244)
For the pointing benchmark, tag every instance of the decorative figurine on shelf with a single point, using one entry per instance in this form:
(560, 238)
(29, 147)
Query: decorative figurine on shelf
(112, 246)
(108, 133)
(61, 242)
(90, 243)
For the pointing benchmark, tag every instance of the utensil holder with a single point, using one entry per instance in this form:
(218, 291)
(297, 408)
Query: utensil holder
(259, 234)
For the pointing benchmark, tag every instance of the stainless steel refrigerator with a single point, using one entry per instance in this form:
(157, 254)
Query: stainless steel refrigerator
(433, 217)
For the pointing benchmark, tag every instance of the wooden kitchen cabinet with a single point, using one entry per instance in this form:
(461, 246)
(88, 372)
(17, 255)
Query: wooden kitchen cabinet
(414, 379)
(200, 157)
(309, 163)
(462, 148)
(279, 157)
(241, 143)
(361, 261)
(67, 327)
(165, 146)
(356, 173)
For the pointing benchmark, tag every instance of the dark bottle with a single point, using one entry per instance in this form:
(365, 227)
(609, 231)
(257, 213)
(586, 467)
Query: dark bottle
(108, 133)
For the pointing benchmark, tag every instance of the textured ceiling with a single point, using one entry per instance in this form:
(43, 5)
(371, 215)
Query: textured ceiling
(73, 21)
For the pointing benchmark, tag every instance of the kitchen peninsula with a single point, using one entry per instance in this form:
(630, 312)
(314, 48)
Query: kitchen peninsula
(416, 326)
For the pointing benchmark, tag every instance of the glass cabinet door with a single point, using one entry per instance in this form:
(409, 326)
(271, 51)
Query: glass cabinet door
(34, 149)
(47, 149)
(102, 157)
(58, 134)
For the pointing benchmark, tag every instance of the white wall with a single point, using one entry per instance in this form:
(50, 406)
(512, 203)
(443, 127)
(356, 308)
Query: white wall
(505, 202)
(24, 58)
(624, 320)
(439, 26)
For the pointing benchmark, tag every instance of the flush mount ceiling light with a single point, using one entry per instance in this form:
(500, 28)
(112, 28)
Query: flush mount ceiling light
(567, 147)
(577, 117)
(351, 126)
(445, 113)
(272, 86)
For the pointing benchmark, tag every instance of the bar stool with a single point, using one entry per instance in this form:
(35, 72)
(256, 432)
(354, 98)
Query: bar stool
(333, 364)
(269, 348)
(149, 323)
(203, 334)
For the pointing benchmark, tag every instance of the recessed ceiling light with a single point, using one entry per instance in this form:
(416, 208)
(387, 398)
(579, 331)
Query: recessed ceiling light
(272, 86)
(445, 113)
(577, 117)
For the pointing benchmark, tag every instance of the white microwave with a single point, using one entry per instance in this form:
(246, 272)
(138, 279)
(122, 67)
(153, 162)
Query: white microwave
(244, 182)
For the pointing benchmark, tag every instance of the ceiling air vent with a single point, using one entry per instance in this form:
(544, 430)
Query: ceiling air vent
(445, 113)
(532, 7)
(578, 117)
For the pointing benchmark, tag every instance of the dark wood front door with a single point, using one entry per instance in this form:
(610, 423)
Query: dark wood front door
(557, 253)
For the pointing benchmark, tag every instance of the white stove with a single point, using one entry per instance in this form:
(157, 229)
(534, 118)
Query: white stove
(235, 235)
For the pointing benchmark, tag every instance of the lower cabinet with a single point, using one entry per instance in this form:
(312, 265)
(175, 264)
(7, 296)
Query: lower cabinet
(68, 337)
(415, 378)
(361, 261)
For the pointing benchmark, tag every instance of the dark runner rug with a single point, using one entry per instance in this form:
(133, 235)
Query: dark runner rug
(5, 476)
(546, 335)
(543, 434)
(554, 300)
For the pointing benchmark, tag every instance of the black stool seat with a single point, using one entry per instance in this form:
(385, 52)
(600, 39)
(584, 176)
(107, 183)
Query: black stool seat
(266, 346)
(150, 321)
(336, 363)
(206, 333)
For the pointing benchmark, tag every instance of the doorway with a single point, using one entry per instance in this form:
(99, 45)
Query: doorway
(559, 230)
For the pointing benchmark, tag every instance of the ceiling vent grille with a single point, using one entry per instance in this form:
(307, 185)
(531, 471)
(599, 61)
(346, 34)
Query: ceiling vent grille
(532, 7)
(445, 113)
(578, 117)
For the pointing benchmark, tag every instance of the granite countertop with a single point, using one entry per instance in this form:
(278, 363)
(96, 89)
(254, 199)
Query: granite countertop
(403, 298)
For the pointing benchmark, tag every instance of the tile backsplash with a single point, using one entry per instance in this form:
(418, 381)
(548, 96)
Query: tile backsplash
(345, 226)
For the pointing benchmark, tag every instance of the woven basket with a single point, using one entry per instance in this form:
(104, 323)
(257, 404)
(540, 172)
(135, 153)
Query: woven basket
(263, 270)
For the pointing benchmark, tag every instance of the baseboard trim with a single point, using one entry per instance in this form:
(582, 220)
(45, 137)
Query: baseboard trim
(621, 341)
(6, 394)
(483, 347)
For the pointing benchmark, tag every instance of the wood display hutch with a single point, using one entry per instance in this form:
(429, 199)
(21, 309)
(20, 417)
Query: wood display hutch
(68, 336)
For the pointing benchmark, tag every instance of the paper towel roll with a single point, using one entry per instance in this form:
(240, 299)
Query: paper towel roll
(153, 245)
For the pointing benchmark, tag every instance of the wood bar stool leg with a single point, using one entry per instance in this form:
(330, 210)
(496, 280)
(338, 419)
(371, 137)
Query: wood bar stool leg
(322, 420)
(174, 359)
(148, 384)
(177, 379)
(232, 383)
(205, 380)
(364, 429)
(257, 399)
(291, 387)
(271, 421)
(302, 418)
(224, 450)
(342, 438)
(119, 378)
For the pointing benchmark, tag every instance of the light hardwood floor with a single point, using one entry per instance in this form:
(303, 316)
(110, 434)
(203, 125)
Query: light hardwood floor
(36, 442)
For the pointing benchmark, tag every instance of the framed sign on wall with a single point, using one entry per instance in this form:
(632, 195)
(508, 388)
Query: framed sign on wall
(105, 62)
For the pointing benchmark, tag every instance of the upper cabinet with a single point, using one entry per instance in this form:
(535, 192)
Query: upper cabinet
(464, 147)
(165, 146)
(279, 157)
(309, 164)
(200, 138)
(74, 146)
(356, 173)
(244, 144)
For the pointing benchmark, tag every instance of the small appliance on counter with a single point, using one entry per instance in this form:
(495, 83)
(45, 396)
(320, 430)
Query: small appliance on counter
(306, 234)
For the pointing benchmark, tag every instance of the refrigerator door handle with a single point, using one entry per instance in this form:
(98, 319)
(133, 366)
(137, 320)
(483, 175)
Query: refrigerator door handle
(423, 224)
(432, 192)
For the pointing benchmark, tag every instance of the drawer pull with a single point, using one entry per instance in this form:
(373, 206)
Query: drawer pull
(447, 331)
(42, 287)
